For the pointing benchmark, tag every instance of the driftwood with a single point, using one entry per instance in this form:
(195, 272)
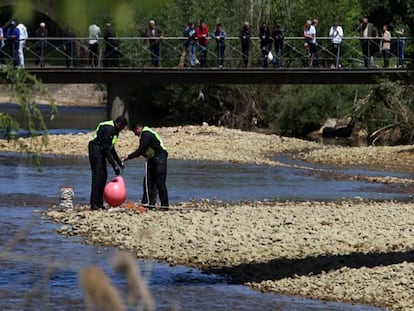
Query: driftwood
(334, 128)
(381, 132)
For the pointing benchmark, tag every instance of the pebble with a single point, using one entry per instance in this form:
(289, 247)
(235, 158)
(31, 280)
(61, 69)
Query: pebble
(223, 239)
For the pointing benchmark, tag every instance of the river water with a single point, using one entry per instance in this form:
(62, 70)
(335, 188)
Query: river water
(26, 189)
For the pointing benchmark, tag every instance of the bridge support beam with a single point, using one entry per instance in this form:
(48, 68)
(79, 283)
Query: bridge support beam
(118, 96)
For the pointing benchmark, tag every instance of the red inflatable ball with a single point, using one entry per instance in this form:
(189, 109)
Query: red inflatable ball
(115, 192)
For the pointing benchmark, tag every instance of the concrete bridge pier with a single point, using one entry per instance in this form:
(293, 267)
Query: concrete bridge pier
(118, 96)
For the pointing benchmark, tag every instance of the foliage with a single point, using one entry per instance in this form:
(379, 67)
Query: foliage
(23, 89)
(388, 113)
(8, 125)
(298, 110)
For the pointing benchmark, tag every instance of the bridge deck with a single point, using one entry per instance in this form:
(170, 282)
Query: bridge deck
(132, 76)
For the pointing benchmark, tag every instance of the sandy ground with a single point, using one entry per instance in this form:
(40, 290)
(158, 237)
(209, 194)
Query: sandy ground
(355, 251)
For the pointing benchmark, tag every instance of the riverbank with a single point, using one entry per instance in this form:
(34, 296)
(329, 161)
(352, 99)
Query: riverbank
(356, 251)
(351, 251)
(223, 144)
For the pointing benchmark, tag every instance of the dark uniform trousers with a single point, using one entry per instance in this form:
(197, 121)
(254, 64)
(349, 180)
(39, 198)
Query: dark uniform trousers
(97, 161)
(155, 179)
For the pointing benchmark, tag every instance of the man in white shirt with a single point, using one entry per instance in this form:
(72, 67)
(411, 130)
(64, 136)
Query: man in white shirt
(336, 33)
(22, 42)
(93, 44)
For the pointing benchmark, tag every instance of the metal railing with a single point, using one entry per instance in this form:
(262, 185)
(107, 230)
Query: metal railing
(135, 52)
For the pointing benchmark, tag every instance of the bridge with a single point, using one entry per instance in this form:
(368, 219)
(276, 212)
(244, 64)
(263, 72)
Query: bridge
(65, 60)
(127, 60)
(165, 76)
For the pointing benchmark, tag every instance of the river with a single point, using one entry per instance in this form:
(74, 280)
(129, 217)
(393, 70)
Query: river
(26, 190)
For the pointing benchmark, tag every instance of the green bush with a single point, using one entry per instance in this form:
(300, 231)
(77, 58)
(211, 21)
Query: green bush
(300, 109)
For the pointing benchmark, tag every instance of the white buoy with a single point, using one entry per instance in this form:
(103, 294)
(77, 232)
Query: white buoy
(66, 197)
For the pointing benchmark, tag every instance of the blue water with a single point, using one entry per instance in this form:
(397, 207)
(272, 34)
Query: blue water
(191, 180)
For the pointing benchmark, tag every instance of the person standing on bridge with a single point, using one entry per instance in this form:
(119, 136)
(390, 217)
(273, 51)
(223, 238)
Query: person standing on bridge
(386, 45)
(70, 47)
(13, 36)
(314, 27)
(336, 33)
(2, 44)
(42, 33)
(192, 44)
(400, 47)
(245, 36)
(266, 43)
(154, 33)
(367, 32)
(110, 58)
(152, 148)
(202, 37)
(277, 36)
(220, 35)
(309, 32)
(93, 45)
(22, 42)
(185, 46)
(102, 148)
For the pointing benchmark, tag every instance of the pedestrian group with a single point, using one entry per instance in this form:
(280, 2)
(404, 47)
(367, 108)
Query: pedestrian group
(196, 44)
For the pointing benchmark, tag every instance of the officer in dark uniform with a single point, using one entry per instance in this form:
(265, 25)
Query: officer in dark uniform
(102, 148)
(153, 149)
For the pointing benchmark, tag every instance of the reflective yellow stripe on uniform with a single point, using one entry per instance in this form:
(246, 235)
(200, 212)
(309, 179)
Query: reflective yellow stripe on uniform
(146, 128)
(110, 122)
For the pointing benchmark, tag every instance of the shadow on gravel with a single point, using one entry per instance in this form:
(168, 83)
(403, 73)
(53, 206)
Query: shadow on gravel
(283, 268)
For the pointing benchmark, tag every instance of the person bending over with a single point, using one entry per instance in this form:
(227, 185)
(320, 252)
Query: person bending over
(102, 148)
(152, 148)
